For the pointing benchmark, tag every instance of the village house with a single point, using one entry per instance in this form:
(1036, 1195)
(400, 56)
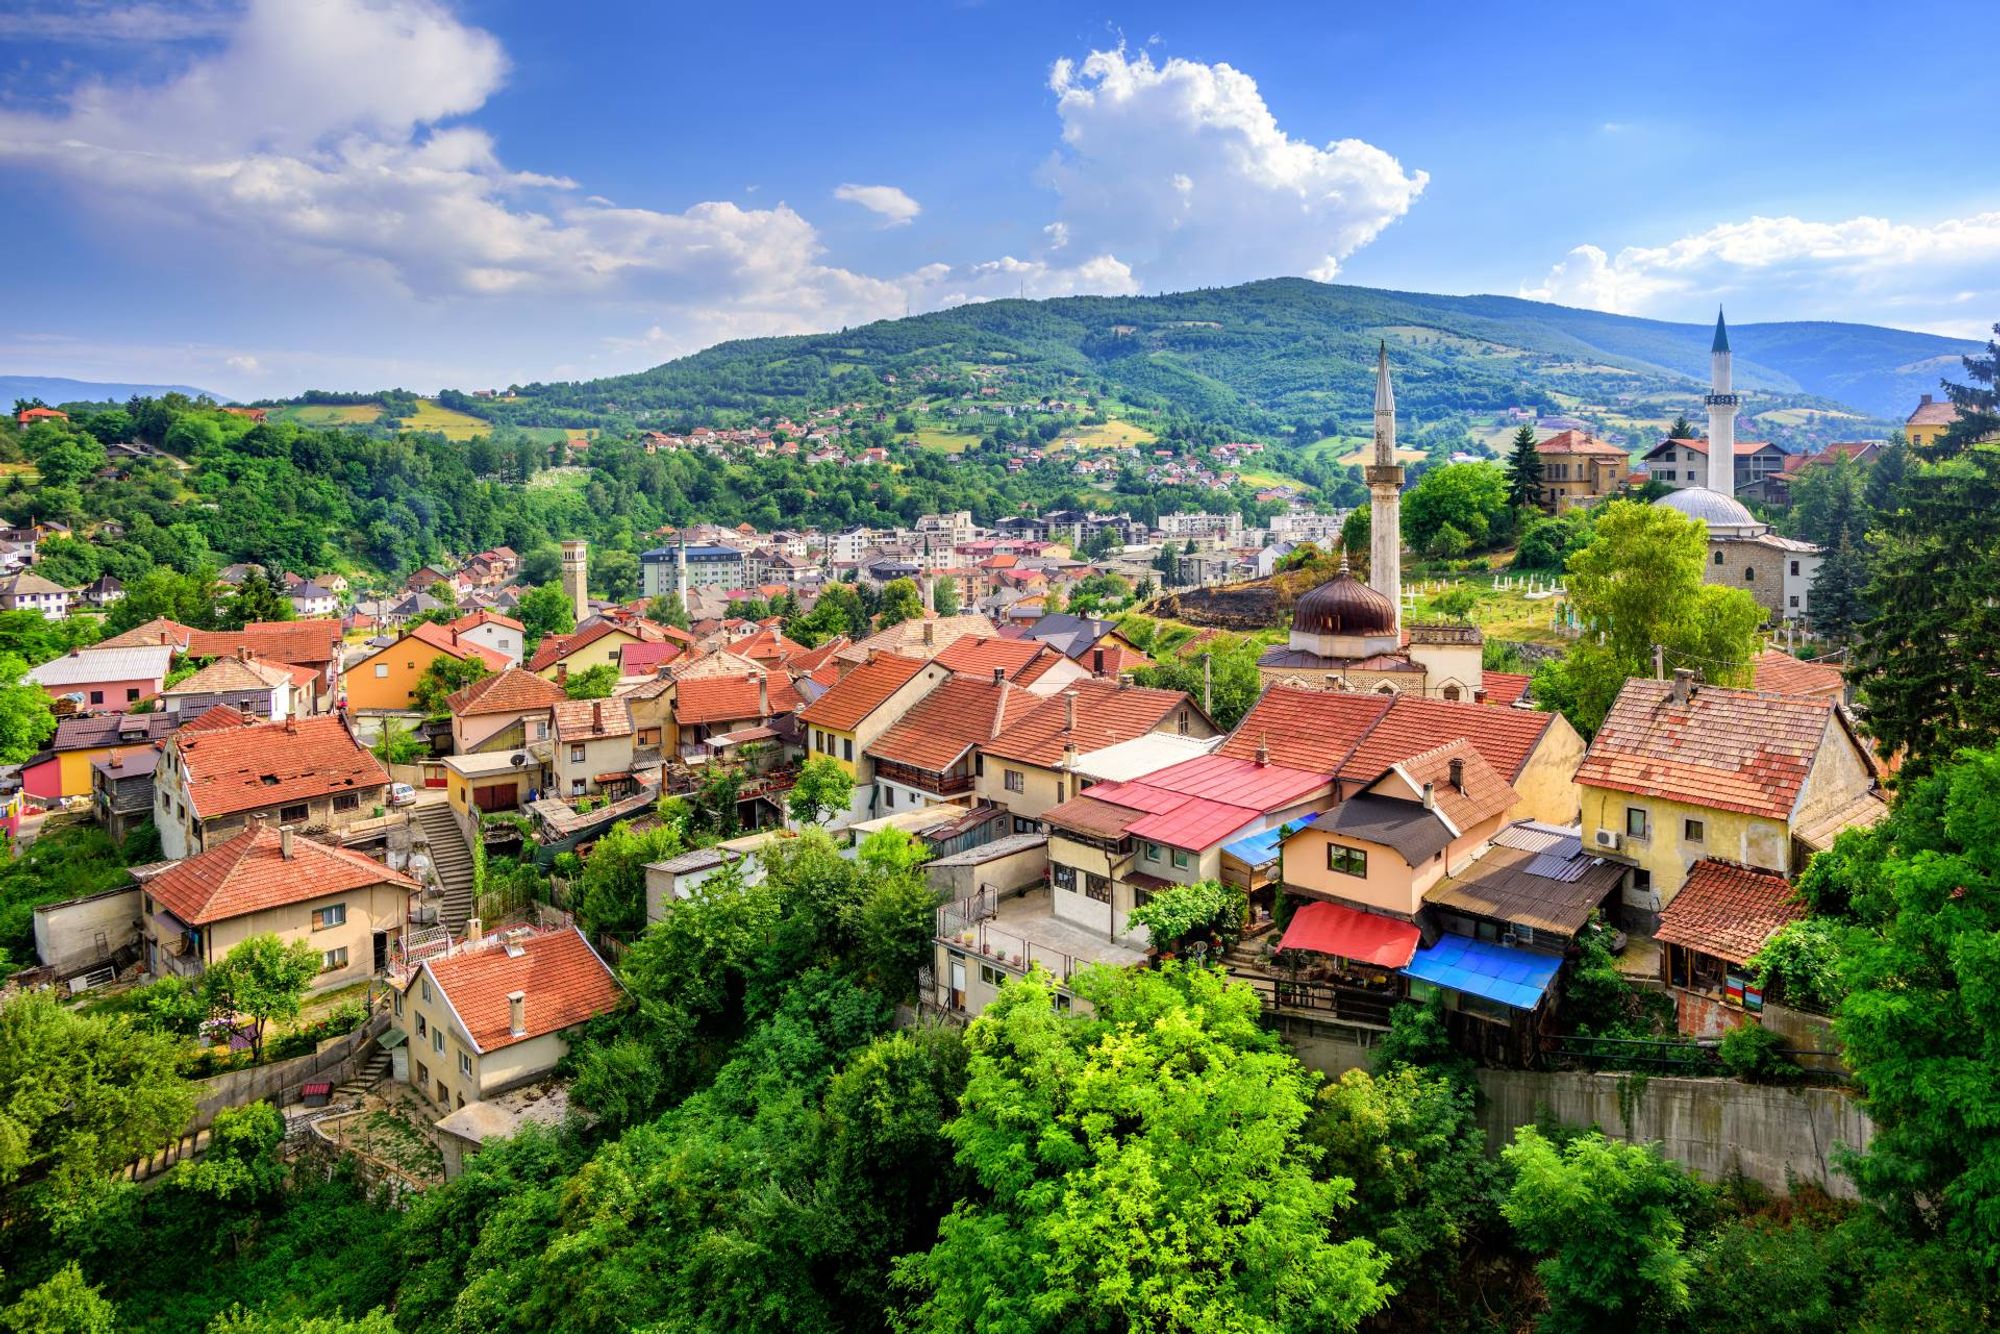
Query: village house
(101, 680)
(63, 769)
(1722, 918)
(260, 691)
(310, 599)
(1578, 469)
(1027, 767)
(1929, 421)
(387, 679)
(1684, 463)
(490, 630)
(219, 773)
(866, 702)
(28, 591)
(507, 710)
(1681, 773)
(928, 756)
(594, 746)
(121, 790)
(595, 643)
(264, 880)
(1034, 666)
(499, 1011)
(313, 644)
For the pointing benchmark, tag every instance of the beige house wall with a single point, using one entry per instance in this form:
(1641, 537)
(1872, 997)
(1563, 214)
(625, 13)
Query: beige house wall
(601, 755)
(1547, 781)
(370, 909)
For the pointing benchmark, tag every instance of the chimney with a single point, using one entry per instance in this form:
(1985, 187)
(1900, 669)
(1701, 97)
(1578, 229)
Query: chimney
(1097, 662)
(1208, 683)
(1263, 751)
(115, 762)
(1924, 401)
(597, 715)
(242, 653)
(763, 695)
(562, 673)
(930, 633)
(1683, 688)
(1069, 710)
(999, 675)
(517, 1014)
(285, 842)
(1430, 797)
(1069, 756)
(1457, 772)
(292, 724)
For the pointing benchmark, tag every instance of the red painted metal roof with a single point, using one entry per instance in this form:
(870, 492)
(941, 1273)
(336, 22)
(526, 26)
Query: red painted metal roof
(1365, 937)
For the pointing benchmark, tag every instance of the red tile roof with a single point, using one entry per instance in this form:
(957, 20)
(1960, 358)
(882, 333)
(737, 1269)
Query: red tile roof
(1239, 782)
(215, 718)
(1937, 412)
(1728, 910)
(719, 699)
(592, 719)
(978, 655)
(1578, 442)
(554, 648)
(250, 873)
(809, 661)
(1106, 713)
(473, 620)
(1306, 729)
(860, 692)
(646, 659)
(1358, 736)
(445, 641)
(1481, 794)
(1113, 659)
(1731, 750)
(562, 981)
(958, 715)
(159, 630)
(1700, 446)
(1504, 687)
(304, 643)
(250, 768)
(511, 691)
(1779, 673)
(768, 645)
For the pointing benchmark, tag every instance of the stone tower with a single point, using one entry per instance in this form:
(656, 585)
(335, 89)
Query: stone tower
(1385, 489)
(1723, 402)
(576, 577)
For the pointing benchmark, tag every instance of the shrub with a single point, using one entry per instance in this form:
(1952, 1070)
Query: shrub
(1756, 1055)
(1801, 965)
(1183, 911)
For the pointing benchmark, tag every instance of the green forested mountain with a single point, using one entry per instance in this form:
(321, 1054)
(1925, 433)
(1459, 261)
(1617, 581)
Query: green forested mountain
(1286, 353)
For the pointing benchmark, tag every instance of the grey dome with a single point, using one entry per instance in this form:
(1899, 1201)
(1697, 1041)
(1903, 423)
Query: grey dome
(1711, 507)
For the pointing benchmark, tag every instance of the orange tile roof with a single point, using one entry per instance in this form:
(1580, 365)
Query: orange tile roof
(159, 630)
(1306, 729)
(720, 699)
(1505, 737)
(1504, 687)
(768, 645)
(1106, 713)
(1779, 673)
(1358, 736)
(554, 648)
(514, 690)
(1731, 750)
(562, 981)
(473, 620)
(811, 660)
(859, 693)
(1482, 793)
(1578, 442)
(960, 714)
(1937, 412)
(445, 641)
(1700, 446)
(1113, 659)
(270, 764)
(1728, 910)
(978, 655)
(923, 636)
(592, 719)
(250, 873)
(302, 643)
(215, 718)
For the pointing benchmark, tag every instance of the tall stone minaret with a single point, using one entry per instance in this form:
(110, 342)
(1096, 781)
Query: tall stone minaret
(1385, 490)
(681, 570)
(1722, 404)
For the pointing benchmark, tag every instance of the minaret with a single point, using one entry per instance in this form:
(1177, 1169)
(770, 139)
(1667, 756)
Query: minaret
(1722, 404)
(681, 571)
(1385, 489)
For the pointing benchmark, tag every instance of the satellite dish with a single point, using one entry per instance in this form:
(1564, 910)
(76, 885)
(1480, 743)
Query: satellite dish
(517, 759)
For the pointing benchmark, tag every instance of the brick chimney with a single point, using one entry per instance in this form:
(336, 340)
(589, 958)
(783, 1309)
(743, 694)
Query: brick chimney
(1683, 688)
(597, 715)
(1263, 751)
(242, 653)
(1069, 710)
(930, 634)
(562, 673)
(1456, 770)
(285, 842)
(517, 1014)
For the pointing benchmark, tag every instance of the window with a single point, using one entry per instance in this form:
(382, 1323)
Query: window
(990, 975)
(1180, 859)
(1635, 821)
(576, 754)
(1718, 558)
(1064, 876)
(427, 991)
(132, 692)
(1015, 781)
(381, 671)
(1642, 881)
(423, 1027)
(888, 798)
(1692, 830)
(397, 998)
(97, 697)
(333, 960)
(437, 1041)
(291, 814)
(464, 1064)
(334, 914)
(1096, 887)
(1451, 692)
(1795, 569)
(1795, 599)
(1749, 574)
(541, 728)
(1023, 826)
(1152, 851)
(847, 749)
(423, 1074)
(1347, 861)
(1064, 1004)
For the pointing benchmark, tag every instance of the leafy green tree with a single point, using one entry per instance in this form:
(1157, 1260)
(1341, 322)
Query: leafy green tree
(1801, 964)
(543, 611)
(1637, 584)
(900, 602)
(188, 599)
(668, 609)
(238, 1320)
(27, 718)
(1468, 499)
(398, 743)
(1141, 1169)
(944, 595)
(1356, 537)
(821, 791)
(36, 639)
(612, 896)
(1978, 403)
(1922, 661)
(1234, 682)
(62, 456)
(444, 677)
(262, 979)
(1840, 591)
(595, 682)
(1524, 469)
(614, 572)
(68, 561)
(257, 598)
(839, 611)
(1682, 429)
(66, 1304)
(1608, 1218)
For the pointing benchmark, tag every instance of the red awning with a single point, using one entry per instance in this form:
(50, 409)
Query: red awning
(1330, 928)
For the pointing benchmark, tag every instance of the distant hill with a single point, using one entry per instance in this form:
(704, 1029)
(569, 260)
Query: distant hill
(53, 389)
(1288, 352)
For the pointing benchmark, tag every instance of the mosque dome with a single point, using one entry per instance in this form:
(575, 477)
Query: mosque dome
(1724, 515)
(1343, 605)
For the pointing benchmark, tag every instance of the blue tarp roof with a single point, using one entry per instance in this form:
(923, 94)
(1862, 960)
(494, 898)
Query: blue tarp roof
(1256, 849)
(1519, 978)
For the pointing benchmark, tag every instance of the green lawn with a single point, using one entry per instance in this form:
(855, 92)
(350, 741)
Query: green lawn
(334, 414)
(448, 422)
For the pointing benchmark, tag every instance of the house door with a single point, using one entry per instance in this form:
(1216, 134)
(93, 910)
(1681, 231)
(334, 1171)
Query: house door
(381, 951)
(496, 797)
(957, 983)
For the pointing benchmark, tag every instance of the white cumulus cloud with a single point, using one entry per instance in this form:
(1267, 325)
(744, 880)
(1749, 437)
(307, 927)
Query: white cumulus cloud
(895, 208)
(1862, 268)
(1181, 170)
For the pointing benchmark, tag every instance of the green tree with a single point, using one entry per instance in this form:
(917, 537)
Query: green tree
(543, 611)
(257, 598)
(1468, 499)
(1608, 1220)
(1637, 584)
(1682, 429)
(66, 1304)
(1143, 1169)
(68, 561)
(1524, 469)
(1840, 591)
(1922, 662)
(612, 895)
(444, 677)
(26, 717)
(668, 609)
(62, 456)
(1978, 403)
(614, 573)
(1233, 680)
(262, 979)
(821, 791)
(944, 595)
(900, 602)
(837, 612)
(592, 682)
(188, 599)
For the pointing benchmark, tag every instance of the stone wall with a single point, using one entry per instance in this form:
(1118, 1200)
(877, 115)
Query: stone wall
(278, 1083)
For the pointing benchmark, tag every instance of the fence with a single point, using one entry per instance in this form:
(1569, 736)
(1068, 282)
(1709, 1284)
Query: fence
(278, 1083)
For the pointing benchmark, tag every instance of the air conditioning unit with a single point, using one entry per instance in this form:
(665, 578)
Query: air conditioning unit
(1607, 838)
(1510, 938)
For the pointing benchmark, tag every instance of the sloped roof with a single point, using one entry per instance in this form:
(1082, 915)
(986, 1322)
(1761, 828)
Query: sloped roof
(88, 731)
(215, 719)
(908, 638)
(962, 712)
(1577, 442)
(592, 719)
(1482, 793)
(1700, 446)
(554, 648)
(562, 981)
(1504, 687)
(1088, 815)
(159, 630)
(1358, 736)
(1937, 412)
(250, 873)
(514, 690)
(1511, 884)
(448, 641)
(1306, 729)
(484, 616)
(231, 769)
(1732, 750)
(1106, 713)
(1728, 910)
(980, 655)
(308, 642)
(860, 692)
(768, 645)
(1779, 673)
(719, 699)
(80, 666)
(233, 674)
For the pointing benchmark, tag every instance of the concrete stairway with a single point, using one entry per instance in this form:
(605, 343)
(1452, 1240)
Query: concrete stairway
(365, 1079)
(453, 860)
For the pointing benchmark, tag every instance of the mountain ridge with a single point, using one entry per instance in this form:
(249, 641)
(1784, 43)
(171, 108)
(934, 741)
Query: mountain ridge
(54, 389)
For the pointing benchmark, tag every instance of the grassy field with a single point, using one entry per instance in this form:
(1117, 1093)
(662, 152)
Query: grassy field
(1507, 614)
(448, 422)
(1113, 434)
(334, 414)
(945, 442)
(1803, 416)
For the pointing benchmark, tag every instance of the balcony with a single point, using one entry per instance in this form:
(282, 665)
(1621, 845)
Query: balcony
(1023, 931)
(923, 780)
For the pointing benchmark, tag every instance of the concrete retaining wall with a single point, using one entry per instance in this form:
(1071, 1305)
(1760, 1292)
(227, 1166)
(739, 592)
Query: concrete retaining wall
(278, 1083)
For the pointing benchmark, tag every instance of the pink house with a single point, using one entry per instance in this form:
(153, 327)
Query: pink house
(105, 680)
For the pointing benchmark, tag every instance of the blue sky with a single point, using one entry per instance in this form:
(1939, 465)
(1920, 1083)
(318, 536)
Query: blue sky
(266, 195)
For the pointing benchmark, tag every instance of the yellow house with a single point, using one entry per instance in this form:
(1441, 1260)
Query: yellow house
(1026, 767)
(81, 741)
(859, 707)
(1931, 420)
(497, 1012)
(559, 657)
(351, 908)
(387, 678)
(1680, 773)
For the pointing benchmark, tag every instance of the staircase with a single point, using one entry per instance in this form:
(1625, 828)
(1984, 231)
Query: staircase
(365, 1079)
(453, 862)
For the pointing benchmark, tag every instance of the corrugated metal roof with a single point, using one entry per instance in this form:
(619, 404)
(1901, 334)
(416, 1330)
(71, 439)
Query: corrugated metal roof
(1516, 978)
